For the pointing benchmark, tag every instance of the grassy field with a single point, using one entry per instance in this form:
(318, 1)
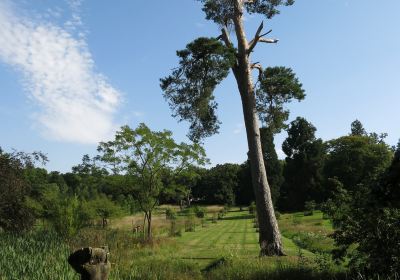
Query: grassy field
(225, 249)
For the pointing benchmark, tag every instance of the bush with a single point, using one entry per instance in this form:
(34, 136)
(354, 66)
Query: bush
(309, 208)
(170, 214)
(200, 212)
(15, 216)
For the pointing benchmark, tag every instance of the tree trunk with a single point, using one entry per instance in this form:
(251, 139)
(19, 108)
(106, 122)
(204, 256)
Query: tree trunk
(149, 226)
(269, 235)
(144, 225)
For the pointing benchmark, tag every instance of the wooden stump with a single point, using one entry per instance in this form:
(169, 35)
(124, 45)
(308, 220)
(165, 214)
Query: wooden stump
(91, 263)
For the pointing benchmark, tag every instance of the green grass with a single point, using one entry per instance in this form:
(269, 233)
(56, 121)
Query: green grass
(227, 249)
(308, 232)
(234, 235)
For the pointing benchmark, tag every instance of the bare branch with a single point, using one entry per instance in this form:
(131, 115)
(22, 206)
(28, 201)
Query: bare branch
(259, 68)
(258, 37)
(268, 40)
(266, 33)
(225, 37)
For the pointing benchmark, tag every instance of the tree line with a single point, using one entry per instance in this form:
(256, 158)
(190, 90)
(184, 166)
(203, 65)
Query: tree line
(353, 179)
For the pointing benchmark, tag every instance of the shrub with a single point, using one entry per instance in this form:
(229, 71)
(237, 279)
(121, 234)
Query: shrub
(309, 208)
(200, 212)
(15, 216)
(170, 214)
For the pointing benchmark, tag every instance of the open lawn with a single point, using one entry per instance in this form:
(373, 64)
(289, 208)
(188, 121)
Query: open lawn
(233, 235)
(225, 249)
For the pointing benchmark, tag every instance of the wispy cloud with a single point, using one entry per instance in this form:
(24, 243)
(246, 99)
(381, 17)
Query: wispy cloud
(76, 103)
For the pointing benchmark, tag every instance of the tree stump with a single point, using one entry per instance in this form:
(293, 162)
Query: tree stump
(91, 263)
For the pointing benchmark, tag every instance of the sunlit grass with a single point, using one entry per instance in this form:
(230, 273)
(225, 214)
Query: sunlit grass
(231, 243)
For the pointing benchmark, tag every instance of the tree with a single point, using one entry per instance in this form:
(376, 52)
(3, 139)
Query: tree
(278, 86)
(357, 129)
(367, 222)
(182, 185)
(219, 184)
(304, 166)
(15, 215)
(104, 208)
(203, 65)
(66, 213)
(273, 166)
(355, 160)
(244, 193)
(142, 155)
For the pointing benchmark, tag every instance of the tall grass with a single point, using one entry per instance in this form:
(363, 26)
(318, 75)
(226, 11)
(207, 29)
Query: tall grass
(40, 255)
(230, 245)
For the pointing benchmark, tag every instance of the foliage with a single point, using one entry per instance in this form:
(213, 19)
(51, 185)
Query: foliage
(200, 212)
(182, 187)
(104, 208)
(227, 13)
(67, 214)
(357, 129)
(305, 157)
(15, 216)
(222, 11)
(219, 184)
(244, 193)
(356, 159)
(189, 89)
(309, 207)
(170, 214)
(367, 222)
(278, 86)
(273, 166)
(142, 155)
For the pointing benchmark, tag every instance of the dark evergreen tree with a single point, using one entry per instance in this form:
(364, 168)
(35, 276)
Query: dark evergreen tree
(272, 164)
(244, 193)
(357, 129)
(304, 164)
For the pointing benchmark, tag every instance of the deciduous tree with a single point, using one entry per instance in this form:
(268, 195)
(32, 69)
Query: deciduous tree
(143, 155)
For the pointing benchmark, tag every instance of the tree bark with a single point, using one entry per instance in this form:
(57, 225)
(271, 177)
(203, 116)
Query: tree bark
(149, 233)
(269, 235)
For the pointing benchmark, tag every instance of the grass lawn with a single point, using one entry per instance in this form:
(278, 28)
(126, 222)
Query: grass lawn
(232, 240)
(233, 235)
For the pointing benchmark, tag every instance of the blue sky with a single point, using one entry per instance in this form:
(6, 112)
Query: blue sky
(71, 71)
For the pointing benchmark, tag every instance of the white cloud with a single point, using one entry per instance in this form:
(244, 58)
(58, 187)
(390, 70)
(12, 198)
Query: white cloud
(76, 103)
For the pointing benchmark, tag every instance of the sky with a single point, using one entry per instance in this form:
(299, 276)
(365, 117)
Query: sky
(73, 71)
